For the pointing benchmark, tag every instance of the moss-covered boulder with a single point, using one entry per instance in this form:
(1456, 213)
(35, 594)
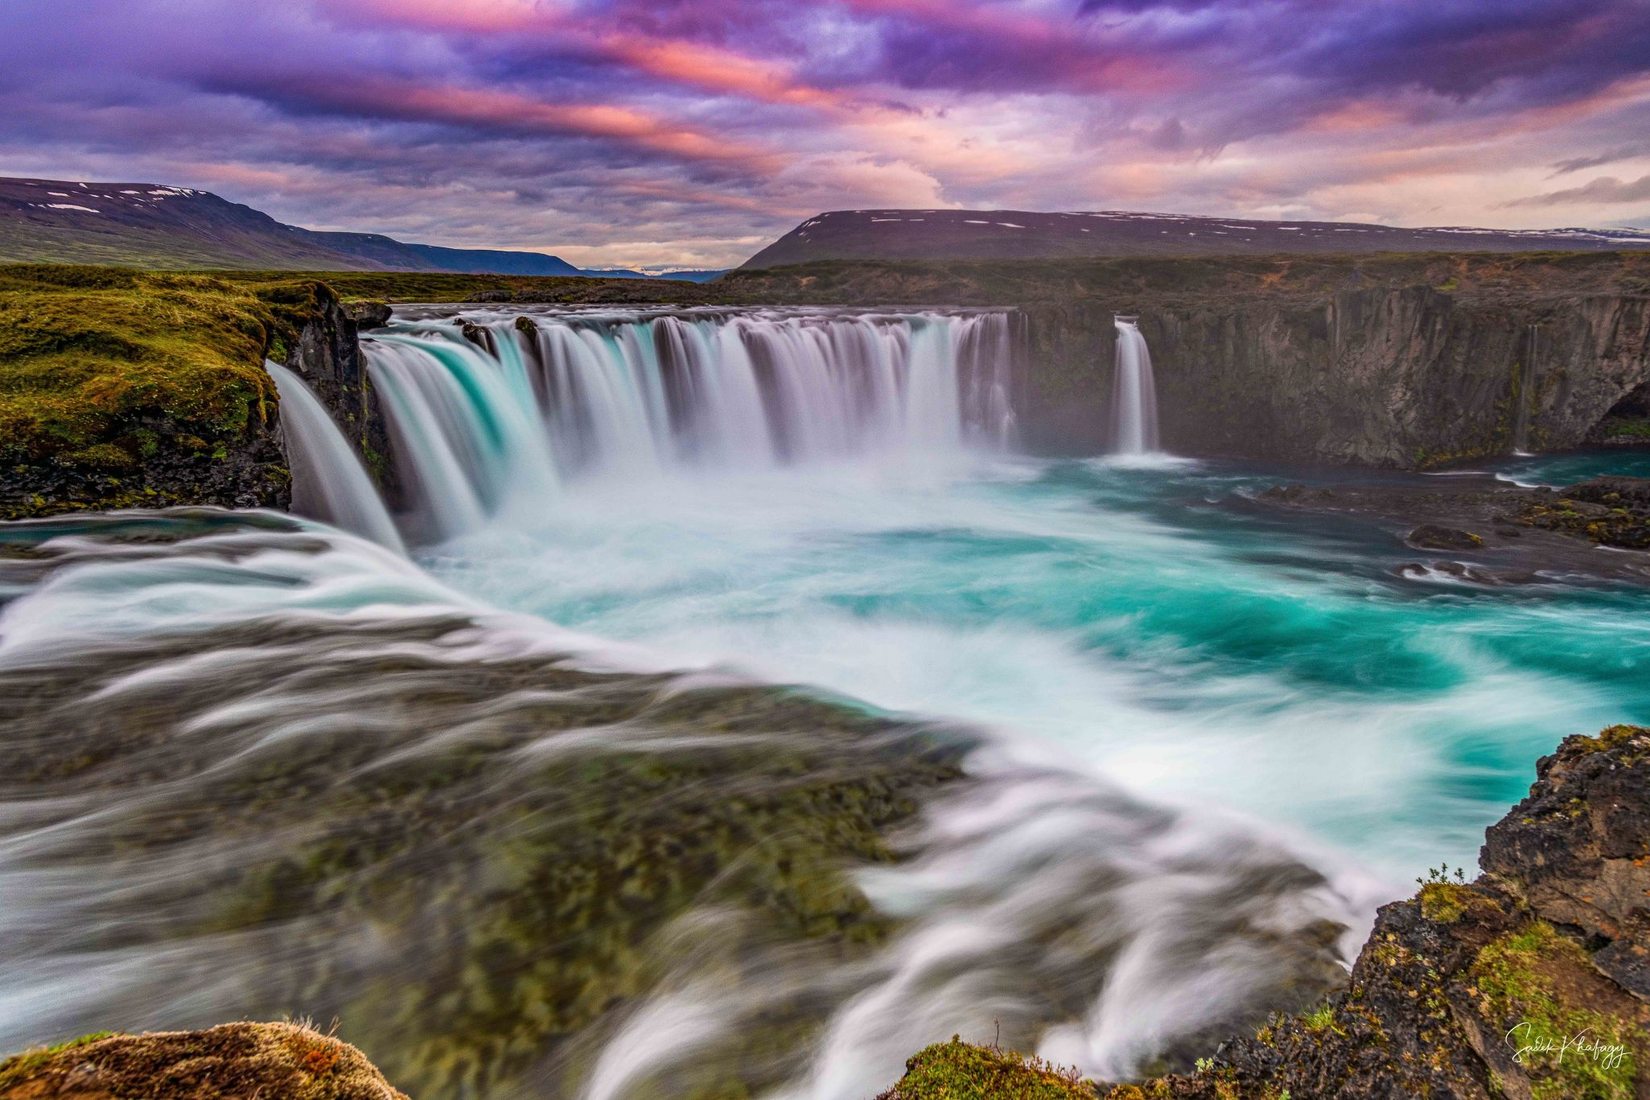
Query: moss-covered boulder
(1610, 511)
(965, 1071)
(230, 1062)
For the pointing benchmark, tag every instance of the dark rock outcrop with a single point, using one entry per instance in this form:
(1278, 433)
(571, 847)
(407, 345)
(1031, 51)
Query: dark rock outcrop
(1488, 531)
(1610, 511)
(1432, 536)
(327, 354)
(1528, 982)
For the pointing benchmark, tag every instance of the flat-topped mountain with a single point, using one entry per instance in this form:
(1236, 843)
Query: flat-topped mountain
(150, 225)
(1027, 235)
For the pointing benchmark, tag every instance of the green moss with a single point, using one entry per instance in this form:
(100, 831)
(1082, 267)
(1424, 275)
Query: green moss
(1322, 1019)
(19, 1067)
(1527, 982)
(1620, 427)
(94, 358)
(1608, 527)
(1611, 737)
(99, 456)
(963, 1071)
(1445, 902)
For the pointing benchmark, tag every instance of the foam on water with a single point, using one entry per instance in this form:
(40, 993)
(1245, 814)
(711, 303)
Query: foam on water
(1210, 742)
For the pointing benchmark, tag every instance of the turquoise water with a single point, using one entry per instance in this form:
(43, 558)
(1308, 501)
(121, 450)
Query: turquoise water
(1141, 628)
(1574, 466)
(1146, 622)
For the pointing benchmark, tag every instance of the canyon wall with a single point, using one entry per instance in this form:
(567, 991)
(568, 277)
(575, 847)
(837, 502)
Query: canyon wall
(1390, 376)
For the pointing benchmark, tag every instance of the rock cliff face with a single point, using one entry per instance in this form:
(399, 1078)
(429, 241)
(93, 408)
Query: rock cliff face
(327, 354)
(1392, 376)
(1531, 982)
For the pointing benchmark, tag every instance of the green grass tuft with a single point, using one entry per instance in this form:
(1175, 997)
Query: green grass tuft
(963, 1071)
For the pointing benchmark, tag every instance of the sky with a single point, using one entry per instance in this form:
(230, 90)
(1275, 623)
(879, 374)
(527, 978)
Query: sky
(692, 133)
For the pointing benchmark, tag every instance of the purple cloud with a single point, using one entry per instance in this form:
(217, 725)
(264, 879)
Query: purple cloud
(630, 131)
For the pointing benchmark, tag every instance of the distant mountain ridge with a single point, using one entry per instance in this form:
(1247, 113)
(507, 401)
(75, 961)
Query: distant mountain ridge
(1028, 235)
(154, 226)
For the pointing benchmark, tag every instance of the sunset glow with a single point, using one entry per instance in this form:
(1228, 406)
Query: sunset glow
(630, 132)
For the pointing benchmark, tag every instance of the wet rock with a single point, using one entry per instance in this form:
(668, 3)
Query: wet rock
(1610, 511)
(368, 314)
(1295, 494)
(329, 356)
(1578, 848)
(1622, 492)
(1431, 536)
(1512, 534)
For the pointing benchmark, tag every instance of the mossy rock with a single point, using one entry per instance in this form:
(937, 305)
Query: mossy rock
(230, 1062)
(964, 1071)
(88, 355)
(1541, 988)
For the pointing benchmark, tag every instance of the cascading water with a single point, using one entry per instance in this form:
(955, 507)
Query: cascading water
(1124, 766)
(1134, 394)
(554, 397)
(328, 482)
(1524, 394)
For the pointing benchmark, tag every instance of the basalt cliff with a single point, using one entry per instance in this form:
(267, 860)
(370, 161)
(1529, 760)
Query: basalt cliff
(1398, 361)
(120, 389)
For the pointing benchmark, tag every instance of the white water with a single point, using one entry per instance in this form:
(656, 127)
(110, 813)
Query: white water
(1040, 898)
(621, 397)
(1134, 394)
(328, 482)
(826, 499)
(1526, 396)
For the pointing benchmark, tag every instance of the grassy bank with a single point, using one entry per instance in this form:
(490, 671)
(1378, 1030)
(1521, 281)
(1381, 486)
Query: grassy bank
(97, 363)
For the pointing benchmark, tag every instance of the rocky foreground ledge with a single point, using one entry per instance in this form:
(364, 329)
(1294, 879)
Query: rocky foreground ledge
(1531, 982)
(232, 1062)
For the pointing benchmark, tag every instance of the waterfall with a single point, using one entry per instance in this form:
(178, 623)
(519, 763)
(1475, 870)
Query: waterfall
(549, 398)
(1134, 394)
(328, 482)
(1524, 393)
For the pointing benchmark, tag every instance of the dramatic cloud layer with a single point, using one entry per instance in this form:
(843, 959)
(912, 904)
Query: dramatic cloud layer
(692, 131)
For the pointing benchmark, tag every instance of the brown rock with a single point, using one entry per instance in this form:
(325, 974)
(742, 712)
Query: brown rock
(229, 1062)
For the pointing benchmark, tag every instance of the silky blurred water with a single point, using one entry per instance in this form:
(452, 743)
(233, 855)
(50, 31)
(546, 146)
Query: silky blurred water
(1134, 618)
(1207, 735)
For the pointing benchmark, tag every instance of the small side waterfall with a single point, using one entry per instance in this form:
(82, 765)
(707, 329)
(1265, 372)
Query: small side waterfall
(1524, 393)
(328, 482)
(1134, 393)
(540, 400)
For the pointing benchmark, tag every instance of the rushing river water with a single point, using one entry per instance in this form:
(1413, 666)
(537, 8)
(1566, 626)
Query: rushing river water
(1208, 736)
(1135, 620)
